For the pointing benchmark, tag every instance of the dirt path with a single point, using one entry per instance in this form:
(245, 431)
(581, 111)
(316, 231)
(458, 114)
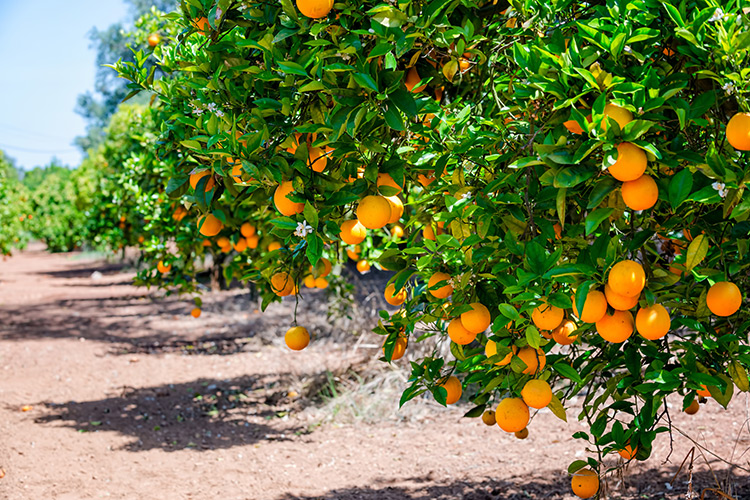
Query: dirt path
(131, 398)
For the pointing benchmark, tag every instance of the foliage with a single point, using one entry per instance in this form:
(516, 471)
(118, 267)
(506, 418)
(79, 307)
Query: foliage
(14, 208)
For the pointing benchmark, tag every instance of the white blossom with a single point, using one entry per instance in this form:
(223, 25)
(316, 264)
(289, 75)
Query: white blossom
(729, 88)
(718, 16)
(219, 113)
(721, 188)
(303, 229)
(466, 196)
(627, 49)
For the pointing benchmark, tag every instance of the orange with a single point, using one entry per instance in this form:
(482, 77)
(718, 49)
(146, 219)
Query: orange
(534, 359)
(209, 225)
(201, 25)
(573, 127)
(295, 144)
(443, 291)
(237, 173)
(704, 392)
(653, 322)
(386, 180)
(252, 241)
(154, 39)
(353, 253)
(315, 9)
(522, 434)
(321, 283)
(393, 298)
(536, 394)
(628, 453)
(630, 164)
(491, 349)
(326, 267)
(223, 241)
(453, 386)
(627, 278)
(426, 180)
(724, 298)
(241, 245)
(194, 178)
(317, 159)
(621, 115)
(309, 281)
(619, 302)
(640, 194)
(397, 231)
(593, 308)
(738, 131)
(693, 408)
(363, 266)
(283, 204)
(374, 212)
(512, 414)
(585, 483)
(563, 334)
(196, 312)
(459, 334)
(179, 213)
(352, 232)
(546, 316)
(163, 268)
(247, 229)
(477, 319)
(398, 349)
(488, 417)
(282, 284)
(412, 79)
(397, 208)
(616, 328)
(297, 338)
(429, 233)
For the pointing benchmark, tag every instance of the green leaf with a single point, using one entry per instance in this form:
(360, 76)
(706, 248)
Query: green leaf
(533, 337)
(739, 376)
(404, 100)
(557, 409)
(475, 412)
(593, 219)
(696, 252)
(393, 118)
(509, 311)
(311, 215)
(567, 371)
(723, 398)
(314, 248)
(366, 81)
(576, 465)
(291, 67)
(600, 191)
(680, 186)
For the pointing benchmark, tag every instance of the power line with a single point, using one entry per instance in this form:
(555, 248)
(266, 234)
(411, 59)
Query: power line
(40, 151)
(29, 132)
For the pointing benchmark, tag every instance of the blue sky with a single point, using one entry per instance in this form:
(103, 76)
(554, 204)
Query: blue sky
(45, 62)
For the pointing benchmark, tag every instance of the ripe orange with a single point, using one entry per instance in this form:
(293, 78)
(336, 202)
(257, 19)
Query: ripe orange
(563, 334)
(321, 283)
(363, 266)
(209, 225)
(374, 212)
(252, 241)
(247, 229)
(459, 334)
(393, 298)
(154, 39)
(488, 417)
(317, 159)
(443, 291)
(295, 144)
(385, 179)
(640, 194)
(653, 322)
(179, 213)
(573, 127)
(619, 302)
(426, 180)
(163, 268)
(428, 232)
(194, 178)
(282, 284)
(621, 115)
(693, 408)
(397, 208)
(630, 164)
(585, 483)
(491, 349)
(315, 9)
(398, 349)
(237, 173)
(738, 131)
(412, 79)
(616, 328)
(196, 312)
(397, 231)
(512, 414)
(201, 24)
(593, 309)
(477, 319)
(352, 232)
(703, 391)
(627, 278)
(453, 386)
(273, 246)
(628, 453)
(522, 434)
(534, 359)
(241, 245)
(353, 253)
(724, 298)
(297, 338)
(283, 204)
(546, 316)
(223, 241)
(323, 268)
(536, 393)
(309, 281)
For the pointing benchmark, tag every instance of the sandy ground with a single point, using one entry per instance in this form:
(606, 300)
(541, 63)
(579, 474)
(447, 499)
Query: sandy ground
(110, 391)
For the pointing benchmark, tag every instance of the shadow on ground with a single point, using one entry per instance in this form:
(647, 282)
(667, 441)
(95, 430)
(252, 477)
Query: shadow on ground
(648, 484)
(203, 415)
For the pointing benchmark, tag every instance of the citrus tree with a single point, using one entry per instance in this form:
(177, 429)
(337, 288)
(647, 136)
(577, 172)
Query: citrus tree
(14, 209)
(545, 179)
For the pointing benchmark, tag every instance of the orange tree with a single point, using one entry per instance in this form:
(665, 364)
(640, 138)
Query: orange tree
(14, 208)
(544, 178)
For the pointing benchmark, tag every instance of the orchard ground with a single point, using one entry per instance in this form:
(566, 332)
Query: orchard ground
(111, 391)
